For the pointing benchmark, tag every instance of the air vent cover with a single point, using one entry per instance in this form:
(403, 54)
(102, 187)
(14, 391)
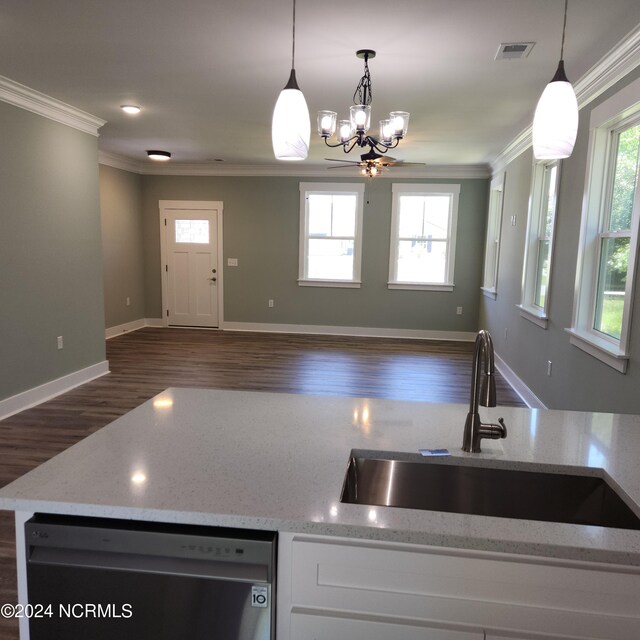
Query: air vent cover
(514, 50)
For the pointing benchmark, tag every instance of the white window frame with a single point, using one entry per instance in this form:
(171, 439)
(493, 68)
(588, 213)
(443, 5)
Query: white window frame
(329, 188)
(399, 189)
(619, 111)
(493, 236)
(538, 202)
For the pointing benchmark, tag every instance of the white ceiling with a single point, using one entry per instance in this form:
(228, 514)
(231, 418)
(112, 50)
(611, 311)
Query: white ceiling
(208, 72)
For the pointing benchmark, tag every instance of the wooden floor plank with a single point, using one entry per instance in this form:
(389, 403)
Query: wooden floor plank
(146, 362)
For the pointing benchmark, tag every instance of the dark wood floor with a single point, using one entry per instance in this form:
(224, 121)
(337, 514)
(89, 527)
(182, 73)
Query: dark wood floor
(148, 361)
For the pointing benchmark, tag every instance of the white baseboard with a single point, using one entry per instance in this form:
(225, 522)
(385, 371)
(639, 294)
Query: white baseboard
(526, 395)
(48, 390)
(118, 330)
(417, 334)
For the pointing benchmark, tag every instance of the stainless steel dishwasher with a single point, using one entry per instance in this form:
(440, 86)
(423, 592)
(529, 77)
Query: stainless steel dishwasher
(102, 579)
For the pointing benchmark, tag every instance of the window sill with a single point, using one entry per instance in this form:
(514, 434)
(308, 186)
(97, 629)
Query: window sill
(537, 316)
(418, 286)
(599, 348)
(489, 292)
(344, 284)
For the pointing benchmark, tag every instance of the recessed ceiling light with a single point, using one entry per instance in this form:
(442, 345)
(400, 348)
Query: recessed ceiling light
(131, 109)
(161, 156)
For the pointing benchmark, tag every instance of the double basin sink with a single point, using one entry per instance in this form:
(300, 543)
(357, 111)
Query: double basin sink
(530, 492)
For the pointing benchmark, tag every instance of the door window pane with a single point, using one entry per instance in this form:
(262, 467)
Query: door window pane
(192, 231)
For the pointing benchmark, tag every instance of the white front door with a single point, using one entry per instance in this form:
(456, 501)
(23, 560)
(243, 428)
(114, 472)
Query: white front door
(191, 269)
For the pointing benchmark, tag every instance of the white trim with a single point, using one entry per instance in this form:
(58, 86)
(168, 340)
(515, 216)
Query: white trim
(420, 286)
(127, 327)
(32, 397)
(153, 322)
(526, 395)
(166, 206)
(330, 188)
(369, 332)
(41, 104)
(599, 349)
(119, 162)
(611, 68)
(489, 292)
(344, 284)
(493, 236)
(424, 189)
(533, 315)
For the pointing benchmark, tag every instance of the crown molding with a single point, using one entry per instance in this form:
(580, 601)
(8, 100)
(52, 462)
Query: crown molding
(36, 102)
(119, 162)
(284, 170)
(614, 66)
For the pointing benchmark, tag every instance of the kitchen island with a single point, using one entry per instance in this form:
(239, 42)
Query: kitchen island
(277, 462)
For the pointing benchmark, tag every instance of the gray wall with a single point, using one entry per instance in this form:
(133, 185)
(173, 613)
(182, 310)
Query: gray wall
(122, 243)
(578, 381)
(261, 226)
(50, 251)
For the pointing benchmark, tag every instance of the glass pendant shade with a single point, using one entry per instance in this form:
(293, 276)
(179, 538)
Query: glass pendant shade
(555, 123)
(360, 116)
(291, 125)
(327, 123)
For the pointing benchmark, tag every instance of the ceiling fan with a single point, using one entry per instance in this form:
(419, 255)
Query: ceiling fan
(371, 163)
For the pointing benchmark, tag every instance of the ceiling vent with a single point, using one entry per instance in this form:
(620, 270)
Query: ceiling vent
(514, 50)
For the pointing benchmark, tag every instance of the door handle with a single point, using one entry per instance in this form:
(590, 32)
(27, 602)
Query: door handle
(213, 279)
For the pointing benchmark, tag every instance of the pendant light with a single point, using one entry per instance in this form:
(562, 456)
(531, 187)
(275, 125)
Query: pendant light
(290, 127)
(555, 123)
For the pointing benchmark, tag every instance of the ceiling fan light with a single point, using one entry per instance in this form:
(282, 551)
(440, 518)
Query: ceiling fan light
(400, 122)
(360, 115)
(290, 127)
(555, 123)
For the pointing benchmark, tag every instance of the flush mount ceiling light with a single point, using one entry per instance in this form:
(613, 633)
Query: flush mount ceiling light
(555, 123)
(160, 156)
(353, 132)
(290, 127)
(131, 109)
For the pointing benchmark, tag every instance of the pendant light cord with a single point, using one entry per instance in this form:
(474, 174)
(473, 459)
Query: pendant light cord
(564, 27)
(293, 47)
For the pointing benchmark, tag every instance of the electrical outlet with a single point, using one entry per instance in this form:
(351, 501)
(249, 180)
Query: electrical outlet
(128, 301)
(232, 262)
(60, 342)
(270, 303)
(459, 311)
(549, 365)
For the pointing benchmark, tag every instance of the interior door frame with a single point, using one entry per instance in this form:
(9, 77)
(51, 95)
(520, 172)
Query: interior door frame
(171, 206)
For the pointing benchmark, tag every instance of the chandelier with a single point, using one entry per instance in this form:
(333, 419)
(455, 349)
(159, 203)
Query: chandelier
(353, 132)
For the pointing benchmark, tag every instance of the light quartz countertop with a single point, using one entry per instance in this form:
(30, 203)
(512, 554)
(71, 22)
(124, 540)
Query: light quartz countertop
(277, 461)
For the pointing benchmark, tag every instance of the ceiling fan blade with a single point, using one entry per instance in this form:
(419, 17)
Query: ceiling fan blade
(343, 161)
(402, 163)
(342, 166)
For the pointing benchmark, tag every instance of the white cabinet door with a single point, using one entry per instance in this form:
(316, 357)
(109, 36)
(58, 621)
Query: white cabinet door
(312, 627)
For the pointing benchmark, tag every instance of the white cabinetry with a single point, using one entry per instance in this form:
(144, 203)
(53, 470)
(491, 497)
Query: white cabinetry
(334, 588)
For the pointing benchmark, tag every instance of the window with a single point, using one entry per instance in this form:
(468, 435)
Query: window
(609, 232)
(423, 236)
(492, 243)
(539, 242)
(330, 234)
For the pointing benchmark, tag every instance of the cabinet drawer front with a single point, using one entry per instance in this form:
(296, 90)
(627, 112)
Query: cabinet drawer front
(313, 627)
(469, 588)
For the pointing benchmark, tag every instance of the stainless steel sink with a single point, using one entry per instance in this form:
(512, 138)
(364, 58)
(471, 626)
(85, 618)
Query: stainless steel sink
(529, 493)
